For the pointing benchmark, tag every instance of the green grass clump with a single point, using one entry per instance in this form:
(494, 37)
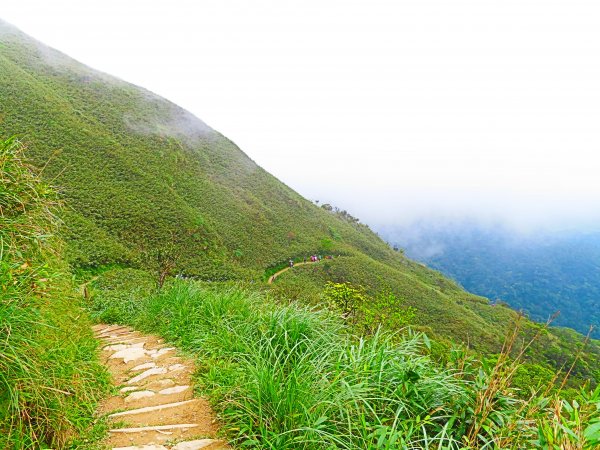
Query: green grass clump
(50, 378)
(289, 377)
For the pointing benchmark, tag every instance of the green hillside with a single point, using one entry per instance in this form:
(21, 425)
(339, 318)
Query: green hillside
(142, 175)
(149, 186)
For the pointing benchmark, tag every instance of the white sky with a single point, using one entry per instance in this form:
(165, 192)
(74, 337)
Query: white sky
(391, 109)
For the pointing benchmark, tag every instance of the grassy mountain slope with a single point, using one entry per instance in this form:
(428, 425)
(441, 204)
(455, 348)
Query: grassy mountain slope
(150, 186)
(443, 310)
(142, 174)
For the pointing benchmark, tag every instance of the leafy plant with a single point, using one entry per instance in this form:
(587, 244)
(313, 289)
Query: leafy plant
(385, 309)
(347, 298)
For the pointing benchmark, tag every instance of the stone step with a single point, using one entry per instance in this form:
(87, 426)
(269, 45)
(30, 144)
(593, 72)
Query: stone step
(139, 395)
(142, 447)
(173, 390)
(145, 396)
(106, 332)
(119, 347)
(127, 339)
(148, 373)
(129, 389)
(144, 366)
(130, 354)
(206, 444)
(155, 434)
(117, 333)
(155, 409)
(148, 409)
(199, 444)
(158, 352)
(176, 426)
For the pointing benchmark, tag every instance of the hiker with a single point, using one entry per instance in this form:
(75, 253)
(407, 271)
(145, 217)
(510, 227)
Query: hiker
(291, 263)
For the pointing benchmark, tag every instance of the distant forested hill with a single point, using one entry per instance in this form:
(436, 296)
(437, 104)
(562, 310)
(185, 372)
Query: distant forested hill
(539, 273)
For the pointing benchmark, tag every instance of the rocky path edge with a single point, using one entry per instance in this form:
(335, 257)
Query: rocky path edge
(154, 407)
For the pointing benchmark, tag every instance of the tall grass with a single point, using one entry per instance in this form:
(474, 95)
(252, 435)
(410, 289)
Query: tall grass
(49, 375)
(288, 377)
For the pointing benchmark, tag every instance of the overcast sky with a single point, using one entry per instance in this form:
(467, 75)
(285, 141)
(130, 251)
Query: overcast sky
(390, 109)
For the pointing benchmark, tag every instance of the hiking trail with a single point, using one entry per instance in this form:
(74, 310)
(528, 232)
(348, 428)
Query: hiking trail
(276, 274)
(155, 408)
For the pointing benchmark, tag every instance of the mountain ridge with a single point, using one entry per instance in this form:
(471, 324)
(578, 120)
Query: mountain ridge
(150, 187)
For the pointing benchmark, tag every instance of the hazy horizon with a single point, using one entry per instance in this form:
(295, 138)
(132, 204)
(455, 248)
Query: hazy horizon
(423, 110)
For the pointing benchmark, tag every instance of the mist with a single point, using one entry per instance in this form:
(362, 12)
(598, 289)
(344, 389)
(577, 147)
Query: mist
(521, 213)
(396, 112)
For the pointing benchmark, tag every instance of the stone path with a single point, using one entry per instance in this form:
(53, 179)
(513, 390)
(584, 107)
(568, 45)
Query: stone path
(155, 408)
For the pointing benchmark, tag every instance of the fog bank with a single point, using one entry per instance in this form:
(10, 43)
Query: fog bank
(394, 111)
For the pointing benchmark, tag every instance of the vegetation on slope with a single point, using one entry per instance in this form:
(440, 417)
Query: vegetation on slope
(149, 186)
(440, 308)
(288, 377)
(50, 379)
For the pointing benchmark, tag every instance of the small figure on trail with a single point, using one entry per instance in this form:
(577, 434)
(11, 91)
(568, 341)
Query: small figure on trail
(291, 263)
(320, 257)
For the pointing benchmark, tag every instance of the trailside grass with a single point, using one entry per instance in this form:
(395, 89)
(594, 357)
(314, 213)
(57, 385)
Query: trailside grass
(289, 377)
(50, 377)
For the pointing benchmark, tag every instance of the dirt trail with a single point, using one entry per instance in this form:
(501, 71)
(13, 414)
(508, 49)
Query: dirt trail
(276, 274)
(155, 408)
